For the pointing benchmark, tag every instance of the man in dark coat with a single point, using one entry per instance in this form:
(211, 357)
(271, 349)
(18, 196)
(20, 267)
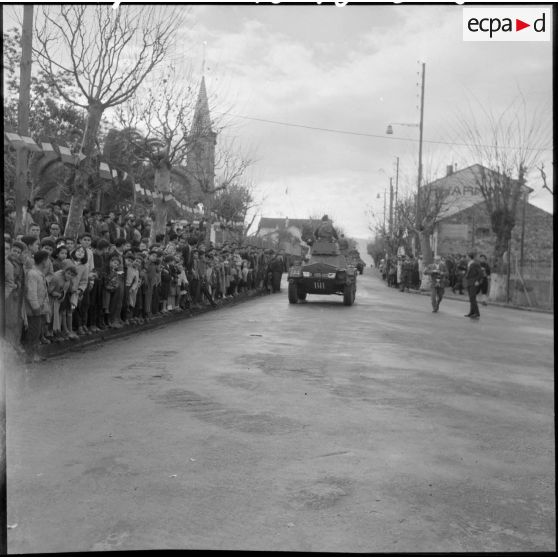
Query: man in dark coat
(473, 278)
(276, 266)
(461, 271)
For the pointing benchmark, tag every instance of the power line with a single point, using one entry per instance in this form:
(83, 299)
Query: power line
(368, 135)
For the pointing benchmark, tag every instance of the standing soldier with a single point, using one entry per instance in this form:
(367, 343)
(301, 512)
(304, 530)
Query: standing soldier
(473, 277)
(438, 273)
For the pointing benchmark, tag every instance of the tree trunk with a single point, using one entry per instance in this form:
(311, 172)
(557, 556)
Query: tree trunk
(498, 287)
(158, 226)
(22, 160)
(500, 248)
(84, 171)
(77, 205)
(162, 185)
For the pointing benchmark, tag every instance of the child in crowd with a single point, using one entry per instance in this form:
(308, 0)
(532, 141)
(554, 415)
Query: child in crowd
(131, 287)
(184, 296)
(58, 287)
(111, 288)
(80, 283)
(59, 255)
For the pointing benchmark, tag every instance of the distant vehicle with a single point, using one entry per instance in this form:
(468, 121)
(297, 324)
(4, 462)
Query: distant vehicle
(353, 256)
(327, 272)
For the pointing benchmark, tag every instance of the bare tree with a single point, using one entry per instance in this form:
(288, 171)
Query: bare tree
(161, 121)
(109, 53)
(506, 146)
(543, 178)
(179, 142)
(231, 164)
(433, 200)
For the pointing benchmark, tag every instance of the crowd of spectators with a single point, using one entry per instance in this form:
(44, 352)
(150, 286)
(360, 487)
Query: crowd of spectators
(401, 272)
(405, 272)
(110, 276)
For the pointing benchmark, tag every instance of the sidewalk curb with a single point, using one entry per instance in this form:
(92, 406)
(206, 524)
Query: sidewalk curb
(500, 304)
(58, 349)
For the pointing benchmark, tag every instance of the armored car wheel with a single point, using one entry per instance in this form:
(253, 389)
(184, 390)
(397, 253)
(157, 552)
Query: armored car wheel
(301, 295)
(293, 293)
(349, 295)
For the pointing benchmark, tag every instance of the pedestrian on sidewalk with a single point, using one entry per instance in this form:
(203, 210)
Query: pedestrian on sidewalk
(438, 274)
(77, 319)
(461, 271)
(36, 303)
(472, 279)
(14, 290)
(58, 287)
(406, 275)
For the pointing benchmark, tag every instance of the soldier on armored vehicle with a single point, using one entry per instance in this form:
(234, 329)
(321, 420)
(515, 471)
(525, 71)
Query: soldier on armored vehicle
(325, 230)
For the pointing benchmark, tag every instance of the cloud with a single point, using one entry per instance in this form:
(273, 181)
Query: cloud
(359, 80)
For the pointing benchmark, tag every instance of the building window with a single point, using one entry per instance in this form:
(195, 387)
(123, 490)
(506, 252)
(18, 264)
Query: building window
(482, 232)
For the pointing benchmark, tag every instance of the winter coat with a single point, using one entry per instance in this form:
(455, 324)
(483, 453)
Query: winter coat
(79, 283)
(473, 274)
(439, 268)
(36, 293)
(58, 286)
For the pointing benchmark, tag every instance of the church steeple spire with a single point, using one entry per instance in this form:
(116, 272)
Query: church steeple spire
(200, 162)
(201, 123)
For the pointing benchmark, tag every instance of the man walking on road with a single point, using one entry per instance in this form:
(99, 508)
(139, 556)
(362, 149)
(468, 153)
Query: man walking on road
(438, 274)
(473, 277)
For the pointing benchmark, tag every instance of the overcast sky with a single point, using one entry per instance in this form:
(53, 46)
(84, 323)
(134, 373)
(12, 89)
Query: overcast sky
(353, 68)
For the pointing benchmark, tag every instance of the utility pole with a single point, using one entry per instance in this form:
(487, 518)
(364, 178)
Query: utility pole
(421, 122)
(390, 208)
(21, 191)
(396, 179)
(396, 194)
(384, 212)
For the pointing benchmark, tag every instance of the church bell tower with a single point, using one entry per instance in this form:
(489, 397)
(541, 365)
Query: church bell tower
(200, 163)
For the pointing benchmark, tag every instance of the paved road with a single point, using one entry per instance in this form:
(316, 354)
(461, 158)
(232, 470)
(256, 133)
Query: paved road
(315, 427)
